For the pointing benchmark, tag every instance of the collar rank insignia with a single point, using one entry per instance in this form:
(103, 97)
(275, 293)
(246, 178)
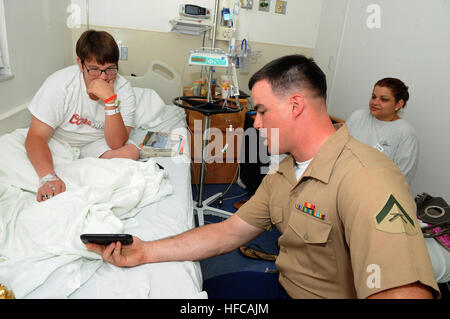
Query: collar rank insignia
(393, 218)
(310, 209)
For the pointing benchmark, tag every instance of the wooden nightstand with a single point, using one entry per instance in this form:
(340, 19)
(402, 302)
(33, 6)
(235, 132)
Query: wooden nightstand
(221, 167)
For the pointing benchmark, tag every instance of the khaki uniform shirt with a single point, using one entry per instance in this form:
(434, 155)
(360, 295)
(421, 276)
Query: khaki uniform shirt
(348, 225)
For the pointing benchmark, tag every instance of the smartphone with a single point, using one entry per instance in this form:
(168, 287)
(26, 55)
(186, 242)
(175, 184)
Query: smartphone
(106, 239)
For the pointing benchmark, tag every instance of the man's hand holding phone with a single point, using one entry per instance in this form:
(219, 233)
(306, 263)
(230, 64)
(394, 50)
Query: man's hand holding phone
(119, 254)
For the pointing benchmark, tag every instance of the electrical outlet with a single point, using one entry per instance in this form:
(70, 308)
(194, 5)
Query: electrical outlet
(264, 5)
(246, 4)
(223, 33)
(123, 52)
(227, 33)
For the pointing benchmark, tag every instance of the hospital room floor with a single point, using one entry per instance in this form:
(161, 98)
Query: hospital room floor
(235, 261)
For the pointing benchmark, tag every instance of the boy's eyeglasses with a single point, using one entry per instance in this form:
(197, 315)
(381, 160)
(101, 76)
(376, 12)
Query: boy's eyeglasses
(97, 72)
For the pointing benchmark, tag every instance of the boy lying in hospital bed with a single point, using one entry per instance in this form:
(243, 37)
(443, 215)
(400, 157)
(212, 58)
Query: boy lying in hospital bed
(79, 105)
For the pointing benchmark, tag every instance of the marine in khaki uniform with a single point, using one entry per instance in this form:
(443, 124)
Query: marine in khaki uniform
(348, 226)
(347, 221)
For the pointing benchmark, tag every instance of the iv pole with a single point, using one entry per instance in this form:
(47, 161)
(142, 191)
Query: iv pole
(209, 107)
(213, 45)
(201, 205)
(207, 117)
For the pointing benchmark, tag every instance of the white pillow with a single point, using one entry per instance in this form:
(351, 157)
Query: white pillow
(149, 107)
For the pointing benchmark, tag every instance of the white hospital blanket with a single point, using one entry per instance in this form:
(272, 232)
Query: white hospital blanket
(39, 241)
(171, 215)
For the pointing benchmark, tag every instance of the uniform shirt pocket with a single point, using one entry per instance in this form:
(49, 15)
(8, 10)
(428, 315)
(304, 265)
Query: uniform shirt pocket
(314, 235)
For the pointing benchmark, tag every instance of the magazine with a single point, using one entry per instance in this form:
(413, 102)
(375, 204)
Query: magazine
(161, 144)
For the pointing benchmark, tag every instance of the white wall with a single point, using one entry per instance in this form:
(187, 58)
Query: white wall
(39, 43)
(329, 37)
(153, 15)
(143, 26)
(297, 28)
(412, 44)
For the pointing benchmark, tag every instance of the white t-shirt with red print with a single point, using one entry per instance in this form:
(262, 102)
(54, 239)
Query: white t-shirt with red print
(63, 103)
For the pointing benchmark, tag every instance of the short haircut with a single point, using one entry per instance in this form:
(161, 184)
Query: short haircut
(99, 46)
(398, 88)
(292, 71)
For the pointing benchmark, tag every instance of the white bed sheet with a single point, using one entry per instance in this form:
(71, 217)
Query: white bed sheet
(168, 216)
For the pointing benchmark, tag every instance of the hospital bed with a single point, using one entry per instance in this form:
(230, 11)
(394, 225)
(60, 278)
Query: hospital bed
(41, 255)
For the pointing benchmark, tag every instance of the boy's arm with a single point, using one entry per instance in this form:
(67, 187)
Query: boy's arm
(116, 133)
(36, 145)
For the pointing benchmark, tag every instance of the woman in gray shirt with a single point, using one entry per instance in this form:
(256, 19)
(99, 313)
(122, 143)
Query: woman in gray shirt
(381, 126)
